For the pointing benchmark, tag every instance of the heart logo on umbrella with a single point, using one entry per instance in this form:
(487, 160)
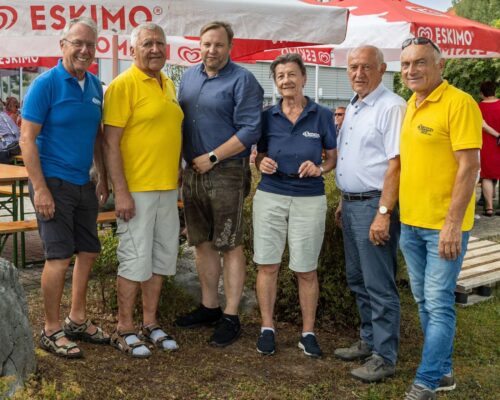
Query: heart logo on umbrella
(190, 55)
(424, 32)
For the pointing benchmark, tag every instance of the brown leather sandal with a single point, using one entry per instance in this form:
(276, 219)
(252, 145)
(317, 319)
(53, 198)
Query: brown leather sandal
(48, 343)
(118, 341)
(79, 332)
(158, 343)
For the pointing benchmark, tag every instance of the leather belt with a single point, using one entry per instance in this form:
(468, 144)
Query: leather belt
(361, 196)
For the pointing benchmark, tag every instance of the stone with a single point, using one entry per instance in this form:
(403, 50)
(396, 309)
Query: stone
(17, 353)
(187, 278)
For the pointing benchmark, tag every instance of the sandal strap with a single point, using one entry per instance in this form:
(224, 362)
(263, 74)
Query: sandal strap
(118, 338)
(50, 342)
(73, 327)
(149, 329)
(55, 336)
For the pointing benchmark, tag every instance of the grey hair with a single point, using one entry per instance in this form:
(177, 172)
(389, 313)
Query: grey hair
(80, 20)
(288, 58)
(150, 26)
(379, 56)
(437, 55)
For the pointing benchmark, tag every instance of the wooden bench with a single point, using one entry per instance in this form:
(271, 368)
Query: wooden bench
(13, 227)
(480, 269)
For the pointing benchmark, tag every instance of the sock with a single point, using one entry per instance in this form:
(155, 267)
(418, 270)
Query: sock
(142, 350)
(233, 318)
(266, 328)
(167, 344)
(304, 334)
(210, 309)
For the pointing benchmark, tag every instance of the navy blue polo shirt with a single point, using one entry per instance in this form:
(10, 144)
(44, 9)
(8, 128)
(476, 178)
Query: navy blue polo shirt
(217, 108)
(69, 117)
(290, 145)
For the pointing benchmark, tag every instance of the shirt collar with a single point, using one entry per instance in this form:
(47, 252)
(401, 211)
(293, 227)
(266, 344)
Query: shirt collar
(372, 97)
(224, 71)
(434, 97)
(65, 74)
(311, 106)
(143, 76)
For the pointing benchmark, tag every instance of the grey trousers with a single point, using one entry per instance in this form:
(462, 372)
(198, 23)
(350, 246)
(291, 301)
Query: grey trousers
(371, 274)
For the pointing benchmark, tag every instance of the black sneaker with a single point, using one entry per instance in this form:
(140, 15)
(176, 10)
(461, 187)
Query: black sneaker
(265, 343)
(227, 331)
(310, 346)
(199, 317)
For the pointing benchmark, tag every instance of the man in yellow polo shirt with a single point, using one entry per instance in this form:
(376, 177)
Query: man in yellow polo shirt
(440, 142)
(142, 120)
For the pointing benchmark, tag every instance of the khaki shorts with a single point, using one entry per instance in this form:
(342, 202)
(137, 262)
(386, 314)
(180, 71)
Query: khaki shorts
(213, 203)
(300, 219)
(148, 243)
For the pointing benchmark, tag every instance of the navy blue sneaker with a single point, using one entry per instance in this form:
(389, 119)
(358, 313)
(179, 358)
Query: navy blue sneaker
(309, 345)
(201, 316)
(265, 343)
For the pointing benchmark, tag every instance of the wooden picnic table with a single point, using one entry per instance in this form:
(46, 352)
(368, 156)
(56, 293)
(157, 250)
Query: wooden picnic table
(16, 176)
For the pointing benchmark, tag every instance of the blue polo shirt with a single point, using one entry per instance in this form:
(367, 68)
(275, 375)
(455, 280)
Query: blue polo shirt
(219, 107)
(69, 117)
(290, 145)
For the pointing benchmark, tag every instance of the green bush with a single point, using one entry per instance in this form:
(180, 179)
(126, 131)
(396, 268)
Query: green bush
(105, 268)
(336, 303)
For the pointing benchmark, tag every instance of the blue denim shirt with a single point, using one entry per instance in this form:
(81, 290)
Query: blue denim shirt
(217, 108)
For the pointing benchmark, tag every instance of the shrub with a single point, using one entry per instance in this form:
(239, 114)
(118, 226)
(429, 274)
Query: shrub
(105, 268)
(336, 303)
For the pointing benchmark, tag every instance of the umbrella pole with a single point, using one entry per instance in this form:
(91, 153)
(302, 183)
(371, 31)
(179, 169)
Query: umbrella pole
(316, 83)
(21, 83)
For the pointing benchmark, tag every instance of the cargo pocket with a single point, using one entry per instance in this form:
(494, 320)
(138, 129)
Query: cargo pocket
(126, 246)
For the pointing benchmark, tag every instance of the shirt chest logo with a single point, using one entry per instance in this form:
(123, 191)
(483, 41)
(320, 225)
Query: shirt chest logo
(425, 130)
(312, 135)
(95, 100)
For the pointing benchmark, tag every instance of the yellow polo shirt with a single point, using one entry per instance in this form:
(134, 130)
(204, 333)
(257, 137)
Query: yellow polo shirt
(446, 121)
(151, 118)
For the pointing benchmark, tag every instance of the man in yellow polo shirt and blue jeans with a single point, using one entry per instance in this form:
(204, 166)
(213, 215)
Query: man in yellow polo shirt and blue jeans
(440, 142)
(142, 121)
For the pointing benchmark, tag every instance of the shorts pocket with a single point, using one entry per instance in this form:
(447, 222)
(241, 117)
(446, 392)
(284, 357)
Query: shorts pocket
(126, 246)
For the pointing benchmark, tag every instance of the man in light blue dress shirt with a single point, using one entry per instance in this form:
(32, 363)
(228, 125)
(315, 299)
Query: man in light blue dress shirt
(368, 176)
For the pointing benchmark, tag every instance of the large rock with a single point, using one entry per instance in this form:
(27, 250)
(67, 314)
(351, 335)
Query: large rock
(17, 354)
(187, 278)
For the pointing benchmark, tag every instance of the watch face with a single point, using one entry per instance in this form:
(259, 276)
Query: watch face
(213, 158)
(382, 210)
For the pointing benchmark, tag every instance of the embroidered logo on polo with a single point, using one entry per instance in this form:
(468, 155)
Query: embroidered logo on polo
(425, 130)
(95, 100)
(312, 135)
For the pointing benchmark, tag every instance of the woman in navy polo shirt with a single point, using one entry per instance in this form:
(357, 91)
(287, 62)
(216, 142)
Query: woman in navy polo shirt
(290, 201)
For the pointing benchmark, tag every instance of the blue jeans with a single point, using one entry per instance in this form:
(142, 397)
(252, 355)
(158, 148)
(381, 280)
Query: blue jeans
(433, 281)
(371, 275)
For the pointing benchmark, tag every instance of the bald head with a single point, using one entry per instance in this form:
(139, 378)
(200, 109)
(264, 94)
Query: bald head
(365, 68)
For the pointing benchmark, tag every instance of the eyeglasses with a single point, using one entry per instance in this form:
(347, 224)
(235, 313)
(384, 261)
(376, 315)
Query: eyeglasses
(339, 114)
(78, 44)
(419, 41)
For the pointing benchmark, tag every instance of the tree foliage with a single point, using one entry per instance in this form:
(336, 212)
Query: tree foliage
(485, 11)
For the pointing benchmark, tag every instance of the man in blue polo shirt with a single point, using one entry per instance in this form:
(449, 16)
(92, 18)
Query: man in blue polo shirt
(60, 136)
(222, 104)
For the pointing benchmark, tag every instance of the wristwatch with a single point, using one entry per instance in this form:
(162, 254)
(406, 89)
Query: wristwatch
(321, 170)
(213, 158)
(384, 210)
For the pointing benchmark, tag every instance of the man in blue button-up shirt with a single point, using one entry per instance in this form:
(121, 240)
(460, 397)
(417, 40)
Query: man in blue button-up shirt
(222, 104)
(368, 177)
